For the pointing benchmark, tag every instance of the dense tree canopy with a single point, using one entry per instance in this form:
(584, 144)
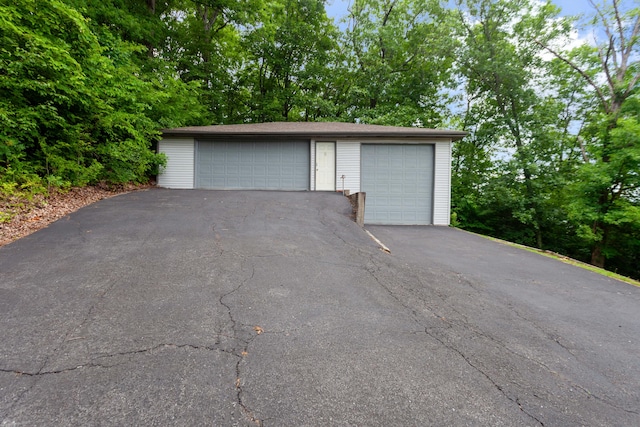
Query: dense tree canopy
(553, 154)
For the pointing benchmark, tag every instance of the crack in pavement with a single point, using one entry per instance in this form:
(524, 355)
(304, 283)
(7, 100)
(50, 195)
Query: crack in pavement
(331, 227)
(93, 363)
(416, 319)
(552, 337)
(604, 401)
(239, 390)
(245, 347)
(61, 343)
(464, 323)
(467, 325)
(101, 360)
(556, 340)
(216, 239)
(484, 374)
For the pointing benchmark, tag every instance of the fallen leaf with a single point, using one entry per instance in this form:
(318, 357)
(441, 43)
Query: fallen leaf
(20, 217)
(258, 329)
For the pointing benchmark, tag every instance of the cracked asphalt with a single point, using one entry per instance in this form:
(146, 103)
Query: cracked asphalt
(169, 307)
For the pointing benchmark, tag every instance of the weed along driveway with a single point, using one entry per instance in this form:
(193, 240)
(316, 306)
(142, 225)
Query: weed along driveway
(168, 307)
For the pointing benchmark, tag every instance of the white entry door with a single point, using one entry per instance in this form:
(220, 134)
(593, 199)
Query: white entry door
(325, 166)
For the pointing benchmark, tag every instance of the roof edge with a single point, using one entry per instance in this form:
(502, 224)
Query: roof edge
(452, 135)
(315, 129)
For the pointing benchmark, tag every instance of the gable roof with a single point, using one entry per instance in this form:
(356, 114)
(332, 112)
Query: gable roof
(314, 129)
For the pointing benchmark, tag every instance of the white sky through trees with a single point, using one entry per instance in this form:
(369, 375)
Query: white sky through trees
(338, 8)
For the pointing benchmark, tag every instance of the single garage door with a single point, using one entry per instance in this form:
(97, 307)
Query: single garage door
(252, 165)
(398, 180)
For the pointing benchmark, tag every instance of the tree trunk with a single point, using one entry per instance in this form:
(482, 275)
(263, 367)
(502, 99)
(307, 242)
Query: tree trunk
(151, 5)
(597, 255)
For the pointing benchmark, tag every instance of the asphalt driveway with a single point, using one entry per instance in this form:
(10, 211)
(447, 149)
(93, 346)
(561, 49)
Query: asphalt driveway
(265, 308)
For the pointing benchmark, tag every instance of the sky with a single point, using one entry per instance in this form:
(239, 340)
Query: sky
(574, 7)
(338, 8)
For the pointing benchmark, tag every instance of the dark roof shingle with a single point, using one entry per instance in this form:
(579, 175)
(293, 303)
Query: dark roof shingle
(315, 129)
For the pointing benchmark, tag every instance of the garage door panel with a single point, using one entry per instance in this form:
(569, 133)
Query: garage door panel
(259, 155)
(422, 204)
(398, 180)
(260, 165)
(395, 163)
(245, 169)
(395, 187)
(395, 201)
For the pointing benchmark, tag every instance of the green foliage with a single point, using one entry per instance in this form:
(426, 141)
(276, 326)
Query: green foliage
(16, 187)
(41, 80)
(73, 108)
(552, 161)
(605, 194)
(21, 183)
(553, 154)
(288, 61)
(499, 61)
(399, 62)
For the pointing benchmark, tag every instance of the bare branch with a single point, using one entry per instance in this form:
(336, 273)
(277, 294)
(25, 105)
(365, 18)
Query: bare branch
(620, 27)
(388, 12)
(354, 26)
(633, 38)
(607, 30)
(632, 84)
(634, 35)
(584, 75)
(464, 21)
(407, 62)
(605, 66)
(582, 149)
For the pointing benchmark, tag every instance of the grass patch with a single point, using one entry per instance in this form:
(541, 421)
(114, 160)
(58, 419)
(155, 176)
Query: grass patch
(16, 203)
(566, 260)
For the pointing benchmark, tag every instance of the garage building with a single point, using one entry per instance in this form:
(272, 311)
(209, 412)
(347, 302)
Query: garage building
(405, 172)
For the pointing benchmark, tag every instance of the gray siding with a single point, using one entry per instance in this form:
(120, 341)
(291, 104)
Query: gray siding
(312, 165)
(178, 173)
(348, 164)
(442, 184)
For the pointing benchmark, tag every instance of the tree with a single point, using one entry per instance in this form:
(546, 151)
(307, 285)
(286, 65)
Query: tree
(606, 191)
(289, 53)
(135, 21)
(204, 48)
(400, 57)
(72, 110)
(511, 116)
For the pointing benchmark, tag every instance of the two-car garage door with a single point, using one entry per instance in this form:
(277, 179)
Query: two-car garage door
(252, 165)
(398, 178)
(398, 181)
